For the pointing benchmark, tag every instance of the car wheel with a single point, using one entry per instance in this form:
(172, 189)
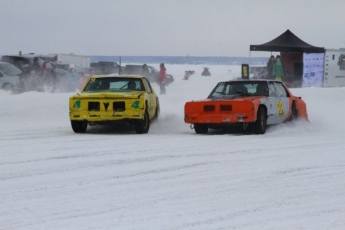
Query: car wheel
(200, 128)
(79, 126)
(294, 112)
(157, 112)
(260, 124)
(142, 126)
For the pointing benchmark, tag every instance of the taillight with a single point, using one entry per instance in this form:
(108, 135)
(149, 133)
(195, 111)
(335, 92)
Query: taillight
(208, 108)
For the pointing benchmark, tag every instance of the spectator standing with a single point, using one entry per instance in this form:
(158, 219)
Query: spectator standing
(53, 78)
(46, 71)
(50, 77)
(144, 71)
(81, 80)
(72, 78)
(162, 78)
(278, 69)
(36, 67)
(25, 78)
(270, 65)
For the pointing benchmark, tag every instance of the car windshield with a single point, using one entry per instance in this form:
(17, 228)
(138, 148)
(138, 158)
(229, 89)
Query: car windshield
(10, 69)
(114, 84)
(239, 88)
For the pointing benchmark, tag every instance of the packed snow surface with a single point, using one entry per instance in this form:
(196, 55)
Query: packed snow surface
(171, 178)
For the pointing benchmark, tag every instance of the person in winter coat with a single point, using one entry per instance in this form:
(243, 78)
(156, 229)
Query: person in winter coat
(162, 77)
(270, 65)
(25, 77)
(36, 67)
(278, 69)
(53, 78)
(144, 71)
(72, 83)
(81, 80)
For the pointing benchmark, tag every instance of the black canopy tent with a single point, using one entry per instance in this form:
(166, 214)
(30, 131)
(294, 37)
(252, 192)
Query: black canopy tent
(292, 50)
(287, 42)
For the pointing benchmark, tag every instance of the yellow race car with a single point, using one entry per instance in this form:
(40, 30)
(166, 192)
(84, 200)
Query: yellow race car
(114, 100)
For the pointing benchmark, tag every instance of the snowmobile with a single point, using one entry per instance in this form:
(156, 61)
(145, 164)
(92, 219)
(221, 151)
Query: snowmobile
(188, 73)
(206, 72)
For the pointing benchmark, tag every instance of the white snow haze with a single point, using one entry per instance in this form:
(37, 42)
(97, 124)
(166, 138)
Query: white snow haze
(292, 177)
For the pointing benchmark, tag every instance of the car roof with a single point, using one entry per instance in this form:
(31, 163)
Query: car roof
(136, 65)
(117, 75)
(133, 66)
(104, 62)
(6, 63)
(251, 80)
(28, 55)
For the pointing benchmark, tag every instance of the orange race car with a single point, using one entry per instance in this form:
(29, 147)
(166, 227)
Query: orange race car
(246, 104)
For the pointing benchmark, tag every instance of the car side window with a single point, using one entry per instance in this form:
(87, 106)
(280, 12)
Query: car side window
(147, 86)
(272, 90)
(281, 90)
(20, 63)
(219, 90)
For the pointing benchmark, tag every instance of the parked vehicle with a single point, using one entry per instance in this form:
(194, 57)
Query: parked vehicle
(9, 76)
(187, 74)
(206, 72)
(151, 74)
(77, 60)
(25, 59)
(107, 67)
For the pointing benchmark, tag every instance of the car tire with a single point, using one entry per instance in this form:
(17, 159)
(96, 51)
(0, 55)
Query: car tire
(158, 110)
(142, 126)
(260, 124)
(200, 128)
(79, 126)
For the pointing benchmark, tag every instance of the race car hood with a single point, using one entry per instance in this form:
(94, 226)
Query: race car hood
(109, 94)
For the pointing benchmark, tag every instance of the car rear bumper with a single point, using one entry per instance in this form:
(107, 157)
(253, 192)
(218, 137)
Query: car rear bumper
(219, 118)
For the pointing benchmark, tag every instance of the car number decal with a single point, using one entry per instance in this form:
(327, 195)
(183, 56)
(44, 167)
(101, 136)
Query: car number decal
(280, 108)
(76, 104)
(135, 105)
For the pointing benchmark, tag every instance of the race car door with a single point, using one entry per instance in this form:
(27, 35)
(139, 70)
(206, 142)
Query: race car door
(272, 110)
(282, 102)
(151, 100)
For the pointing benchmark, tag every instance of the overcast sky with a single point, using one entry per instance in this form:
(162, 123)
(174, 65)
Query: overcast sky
(165, 27)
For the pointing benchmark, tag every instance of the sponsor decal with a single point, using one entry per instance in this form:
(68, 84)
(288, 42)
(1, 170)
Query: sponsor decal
(135, 105)
(245, 72)
(280, 108)
(76, 104)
